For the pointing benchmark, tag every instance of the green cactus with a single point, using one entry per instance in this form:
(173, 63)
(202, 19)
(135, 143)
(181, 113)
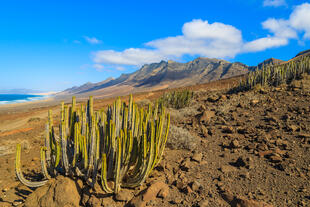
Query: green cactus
(176, 99)
(122, 145)
(276, 75)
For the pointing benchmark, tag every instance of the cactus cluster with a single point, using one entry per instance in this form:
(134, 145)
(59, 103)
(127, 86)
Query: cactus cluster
(177, 99)
(275, 75)
(120, 146)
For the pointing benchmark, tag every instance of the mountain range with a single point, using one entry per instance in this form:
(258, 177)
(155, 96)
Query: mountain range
(170, 74)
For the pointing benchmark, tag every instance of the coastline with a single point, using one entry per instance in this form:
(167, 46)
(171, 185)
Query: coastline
(34, 97)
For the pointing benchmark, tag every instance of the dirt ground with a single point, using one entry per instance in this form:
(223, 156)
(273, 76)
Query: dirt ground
(245, 149)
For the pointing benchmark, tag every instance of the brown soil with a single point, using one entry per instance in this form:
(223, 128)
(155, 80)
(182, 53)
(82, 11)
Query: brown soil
(246, 149)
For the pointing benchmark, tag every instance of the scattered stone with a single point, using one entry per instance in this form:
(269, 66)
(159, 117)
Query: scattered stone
(205, 131)
(227, 129)
(180, 184)
(94, 202)
(17, 202)
(254, 102)
(195, 185)
(234, 144)
(293, 128)
(223, 97)
(163, 193)
(206, 116)
(213, 98)
(227, 168)
(197, 156)
(239, 201)
(203, 203)
(153, 190)
(272, 119)
(304, 135)
(275, 158)
(124, 195)
(264, 153)
(150, 194)
(185, 165)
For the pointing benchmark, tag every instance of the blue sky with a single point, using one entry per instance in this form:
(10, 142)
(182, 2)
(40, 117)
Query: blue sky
(53, 45)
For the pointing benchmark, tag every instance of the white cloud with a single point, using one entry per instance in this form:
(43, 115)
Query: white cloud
(274, 3)
(199, 38)
(213, 40)
(92, 40)
(131, 56)
(198, 29)
(300, 19)
(280, 28)
(264, 43)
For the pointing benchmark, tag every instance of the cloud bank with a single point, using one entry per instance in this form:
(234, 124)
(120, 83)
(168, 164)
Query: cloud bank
(213, 40)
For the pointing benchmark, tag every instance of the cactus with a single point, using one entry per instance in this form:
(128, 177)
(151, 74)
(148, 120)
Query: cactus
(275, 75)
(176, 99)
(122, 145)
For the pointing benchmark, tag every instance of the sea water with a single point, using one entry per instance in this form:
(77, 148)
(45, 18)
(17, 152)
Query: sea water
(19, 98)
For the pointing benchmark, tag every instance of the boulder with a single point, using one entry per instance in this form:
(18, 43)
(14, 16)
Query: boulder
(61, 191)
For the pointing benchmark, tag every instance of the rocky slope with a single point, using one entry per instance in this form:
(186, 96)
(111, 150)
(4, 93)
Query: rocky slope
(245, 149)
(169, 74)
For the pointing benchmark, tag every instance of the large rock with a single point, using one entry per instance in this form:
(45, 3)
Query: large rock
(240, 201)
(157, 189)
(61, 191)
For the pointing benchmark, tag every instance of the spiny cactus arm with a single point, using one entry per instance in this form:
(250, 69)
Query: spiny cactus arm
(112, 148)
(48, 144)
(117, 177)
(97, 156)
(62, 111)
(130, 113)
(75, 144)
(117, 119)
(20, 175)
(147, 166)
(92, 150)
(58, 154)
(104, 180)
(129, 148)
(90, 108)
(64, 146)
(163, 144)
(96, 159)
(139, 154)
(85, 153)
(43, 163)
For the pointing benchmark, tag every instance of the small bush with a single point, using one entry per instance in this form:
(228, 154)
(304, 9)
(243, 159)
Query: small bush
(180, 138)
(177, 99)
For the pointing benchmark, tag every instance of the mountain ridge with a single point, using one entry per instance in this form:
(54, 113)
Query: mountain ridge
(169, 74)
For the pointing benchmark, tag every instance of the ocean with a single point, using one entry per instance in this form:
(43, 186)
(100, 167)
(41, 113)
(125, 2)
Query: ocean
(18, 98)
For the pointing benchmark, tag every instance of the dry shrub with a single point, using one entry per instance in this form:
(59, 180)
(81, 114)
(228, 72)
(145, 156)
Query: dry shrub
(181, 114)
(180, 138)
